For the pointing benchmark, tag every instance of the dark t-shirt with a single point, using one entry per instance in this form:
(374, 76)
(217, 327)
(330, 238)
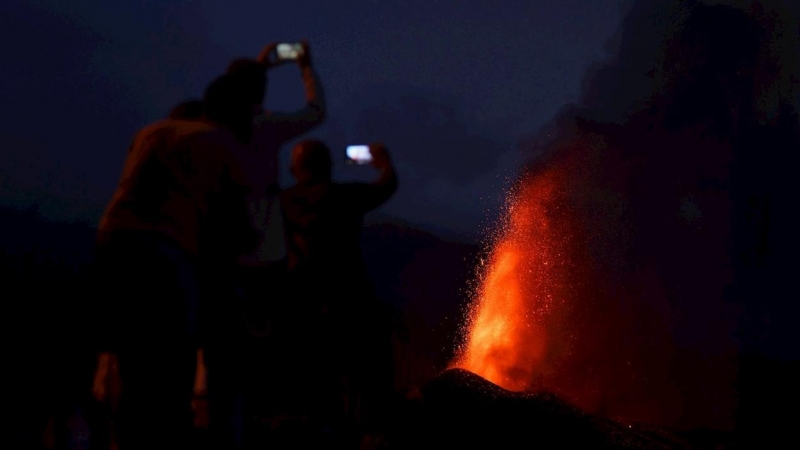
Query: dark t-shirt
(323, 222)
(330, 298)
(323, 225)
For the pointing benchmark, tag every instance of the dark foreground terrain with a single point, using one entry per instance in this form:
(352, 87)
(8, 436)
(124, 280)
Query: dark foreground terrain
(459, 409)
(464, 409)
(48, 358)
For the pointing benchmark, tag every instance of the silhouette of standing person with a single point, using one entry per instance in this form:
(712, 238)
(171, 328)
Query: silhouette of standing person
(180, 192)
(240, 307)
(271, 130)
(337, 340)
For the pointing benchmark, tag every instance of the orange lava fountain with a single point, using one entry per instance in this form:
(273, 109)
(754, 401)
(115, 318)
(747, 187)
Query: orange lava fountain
(561, 308)
(520, 289)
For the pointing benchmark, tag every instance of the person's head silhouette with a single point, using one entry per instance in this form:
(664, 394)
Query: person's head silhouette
(311, 162)
(253, 76)
(228, 102)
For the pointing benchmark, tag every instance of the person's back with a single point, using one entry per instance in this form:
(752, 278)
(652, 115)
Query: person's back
(179, 199)
(324, 222)
(169, 182)
(323, 219)
(260, 160)
(332, 305)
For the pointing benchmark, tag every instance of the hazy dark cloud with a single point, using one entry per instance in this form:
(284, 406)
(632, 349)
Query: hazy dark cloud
(671, 215)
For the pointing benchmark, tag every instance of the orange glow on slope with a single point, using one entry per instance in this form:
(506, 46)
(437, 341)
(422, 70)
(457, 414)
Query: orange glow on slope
(563, 304)
(506, 337)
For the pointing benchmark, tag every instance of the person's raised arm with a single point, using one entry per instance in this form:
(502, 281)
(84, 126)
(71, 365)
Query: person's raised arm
(313, 114)
(378, 192)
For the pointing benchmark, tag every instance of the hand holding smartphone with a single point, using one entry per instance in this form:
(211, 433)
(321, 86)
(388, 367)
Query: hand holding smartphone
(358, 155)
(280, 53)
(286, 51)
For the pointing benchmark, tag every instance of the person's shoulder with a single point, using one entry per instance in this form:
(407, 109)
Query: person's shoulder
(209, 134)
(177, 124)
(158, 133)
(157, 127)
(196, 127)
(204, 140)
(175, 129)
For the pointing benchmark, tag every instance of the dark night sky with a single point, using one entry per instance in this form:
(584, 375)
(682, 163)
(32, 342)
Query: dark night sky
(451, 86)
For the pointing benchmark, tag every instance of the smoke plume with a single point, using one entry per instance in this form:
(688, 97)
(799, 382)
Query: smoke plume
(641, 238)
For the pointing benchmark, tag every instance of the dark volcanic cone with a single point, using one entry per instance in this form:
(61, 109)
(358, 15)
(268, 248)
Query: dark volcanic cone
(466, 409)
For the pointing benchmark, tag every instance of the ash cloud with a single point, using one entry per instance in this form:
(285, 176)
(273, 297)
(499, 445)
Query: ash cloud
(682, 153)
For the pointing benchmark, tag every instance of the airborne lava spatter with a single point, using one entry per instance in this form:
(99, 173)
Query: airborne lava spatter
(562, 306)
(627, 270)
(507, 327)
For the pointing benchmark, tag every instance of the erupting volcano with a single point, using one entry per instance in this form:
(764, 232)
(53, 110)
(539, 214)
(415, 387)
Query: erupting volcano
(552, 311)
(521, 289)
(638, 237)
(566, 305)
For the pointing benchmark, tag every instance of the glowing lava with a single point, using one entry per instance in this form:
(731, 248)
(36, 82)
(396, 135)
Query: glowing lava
(506, 338)
(565, 304)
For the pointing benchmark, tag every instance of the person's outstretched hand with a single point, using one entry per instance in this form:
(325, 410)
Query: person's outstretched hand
(380, 156)
(106, 383)
(199, 400)
(269, 56)
(266, 54)
(99, 388)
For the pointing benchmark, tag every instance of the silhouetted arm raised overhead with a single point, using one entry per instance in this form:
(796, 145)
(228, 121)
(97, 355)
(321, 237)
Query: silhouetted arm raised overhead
(372, 195)
(313, 114)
